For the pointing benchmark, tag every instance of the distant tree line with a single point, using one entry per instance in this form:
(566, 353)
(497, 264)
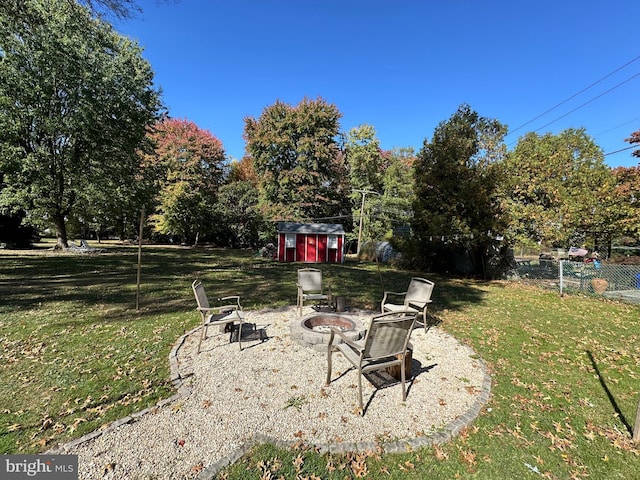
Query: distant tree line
(86, 144)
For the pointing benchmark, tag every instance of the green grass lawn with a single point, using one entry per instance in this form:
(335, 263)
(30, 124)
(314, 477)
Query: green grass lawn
(76, 355)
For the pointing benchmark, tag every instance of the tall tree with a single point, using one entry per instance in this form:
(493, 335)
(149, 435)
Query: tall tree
(301, 171)
(365, 162)
(364, 156)
(456, 208)
(242, 170)
(559, 191)
(240, 221)
(381, 182)
(76, 99)
(118, 8)
(628, 200)
(113, 206)
(393, 207)
(399, 186)
(192, 159)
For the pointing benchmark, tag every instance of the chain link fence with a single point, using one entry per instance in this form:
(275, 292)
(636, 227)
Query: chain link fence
(614, 281)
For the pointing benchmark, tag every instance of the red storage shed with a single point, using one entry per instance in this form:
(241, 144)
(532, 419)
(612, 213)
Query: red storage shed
(310, 242)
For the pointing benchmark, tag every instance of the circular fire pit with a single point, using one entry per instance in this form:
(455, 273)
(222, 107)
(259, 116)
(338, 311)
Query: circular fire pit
(314, 330)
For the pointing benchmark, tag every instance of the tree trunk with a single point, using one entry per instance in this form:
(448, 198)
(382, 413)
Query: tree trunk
(61, 232)
(121, 227)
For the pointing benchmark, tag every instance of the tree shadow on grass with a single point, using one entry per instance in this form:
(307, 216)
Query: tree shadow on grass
(106, 284)
(610, 396)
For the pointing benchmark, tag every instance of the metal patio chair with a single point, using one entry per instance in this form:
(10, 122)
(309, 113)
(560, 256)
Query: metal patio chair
(385, 345)
(311, 289)
(414, 300)
(224, 316)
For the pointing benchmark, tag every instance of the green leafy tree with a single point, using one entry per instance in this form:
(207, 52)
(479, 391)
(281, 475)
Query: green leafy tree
(398, 186)
(118, 8)
(392, 210)
(240, 224)
(192, 160)
(76, 99)
(364, 156)
(301, 172)
(240, 220)
(628, 195)
(559, 191)
(457, 208)
(113, 207)
(381, 182)
(366, 167)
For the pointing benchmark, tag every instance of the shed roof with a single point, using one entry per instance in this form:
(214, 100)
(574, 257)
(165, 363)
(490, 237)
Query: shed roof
(326, 228)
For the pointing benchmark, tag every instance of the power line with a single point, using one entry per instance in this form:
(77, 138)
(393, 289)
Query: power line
(621, 150)
(584, 104)
(589, 101)
(617, 126)
(573, 96)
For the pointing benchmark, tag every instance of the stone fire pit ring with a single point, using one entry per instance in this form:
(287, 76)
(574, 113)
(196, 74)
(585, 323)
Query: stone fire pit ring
(314, 330)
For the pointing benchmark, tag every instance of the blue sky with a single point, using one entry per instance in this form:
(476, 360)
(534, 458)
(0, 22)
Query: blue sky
(402, 66)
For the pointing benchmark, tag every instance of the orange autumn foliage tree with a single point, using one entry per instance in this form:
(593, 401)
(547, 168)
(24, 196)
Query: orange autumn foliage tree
(190, 165)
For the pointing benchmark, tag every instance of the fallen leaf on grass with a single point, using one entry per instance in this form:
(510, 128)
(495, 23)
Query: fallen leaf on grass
(440, 453)
(468, 456)
(44, 441)
(359, 466)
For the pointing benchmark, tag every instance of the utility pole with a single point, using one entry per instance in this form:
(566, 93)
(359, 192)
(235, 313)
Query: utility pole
(364, 194)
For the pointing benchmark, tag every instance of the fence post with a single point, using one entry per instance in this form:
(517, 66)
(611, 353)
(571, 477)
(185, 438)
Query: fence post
(636, 427)
(139, 258)
(560, 274)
